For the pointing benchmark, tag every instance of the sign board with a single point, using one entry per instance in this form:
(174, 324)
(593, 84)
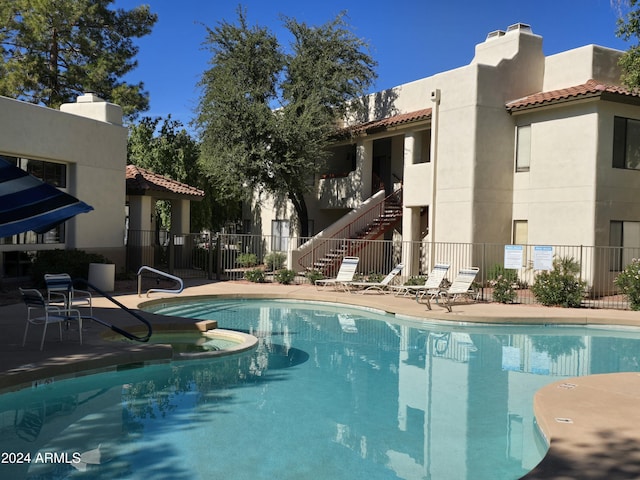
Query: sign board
(542, 257)
(513, 256)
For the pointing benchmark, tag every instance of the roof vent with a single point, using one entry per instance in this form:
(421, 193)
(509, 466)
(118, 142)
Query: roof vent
(523, 27)
(495, 34)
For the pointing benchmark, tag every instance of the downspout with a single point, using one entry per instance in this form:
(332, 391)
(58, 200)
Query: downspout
(435, 129)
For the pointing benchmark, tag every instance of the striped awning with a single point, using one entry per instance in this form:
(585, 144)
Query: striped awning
(27, 203)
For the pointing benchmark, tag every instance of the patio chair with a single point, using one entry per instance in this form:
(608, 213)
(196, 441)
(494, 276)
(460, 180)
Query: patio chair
(431, 286)
(379, 287)
(461, 286)
(40, 312)
(60, 292)
(345, 274)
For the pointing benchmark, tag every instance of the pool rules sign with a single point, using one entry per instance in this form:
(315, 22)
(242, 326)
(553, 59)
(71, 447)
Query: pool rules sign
(542, 257)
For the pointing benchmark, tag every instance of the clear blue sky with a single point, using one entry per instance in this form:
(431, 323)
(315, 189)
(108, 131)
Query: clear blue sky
(410, 39)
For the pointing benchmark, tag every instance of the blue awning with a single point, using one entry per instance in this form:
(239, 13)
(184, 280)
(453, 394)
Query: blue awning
(27, 203)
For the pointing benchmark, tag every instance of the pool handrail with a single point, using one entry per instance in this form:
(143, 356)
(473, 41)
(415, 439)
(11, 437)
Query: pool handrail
(159, 272)
(124, 333)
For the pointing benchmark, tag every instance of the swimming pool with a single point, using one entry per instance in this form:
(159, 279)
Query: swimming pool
(331, 392)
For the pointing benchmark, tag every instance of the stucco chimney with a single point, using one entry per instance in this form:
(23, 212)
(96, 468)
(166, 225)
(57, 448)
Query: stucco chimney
(500, 45)
(91, 105)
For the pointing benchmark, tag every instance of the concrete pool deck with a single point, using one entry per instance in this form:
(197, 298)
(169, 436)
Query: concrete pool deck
(593, 423)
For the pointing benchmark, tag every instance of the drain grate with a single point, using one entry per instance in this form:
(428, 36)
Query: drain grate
(567, 386)
(563, 420)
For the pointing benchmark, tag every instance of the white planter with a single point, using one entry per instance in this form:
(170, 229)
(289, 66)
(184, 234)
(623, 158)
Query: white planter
(102, 276)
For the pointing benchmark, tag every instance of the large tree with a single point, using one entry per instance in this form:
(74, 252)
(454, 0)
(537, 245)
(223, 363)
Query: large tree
(54, 50)
(629, 27)
(266, 115)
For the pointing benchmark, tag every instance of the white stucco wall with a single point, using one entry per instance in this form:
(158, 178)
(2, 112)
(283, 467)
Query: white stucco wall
(557, 195)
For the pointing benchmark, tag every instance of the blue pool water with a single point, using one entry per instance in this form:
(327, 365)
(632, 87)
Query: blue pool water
(330, 392)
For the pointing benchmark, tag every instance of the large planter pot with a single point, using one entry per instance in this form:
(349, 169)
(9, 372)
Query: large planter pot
(102, 276)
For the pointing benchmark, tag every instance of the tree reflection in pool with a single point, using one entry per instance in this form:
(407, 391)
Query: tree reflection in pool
(329, 393)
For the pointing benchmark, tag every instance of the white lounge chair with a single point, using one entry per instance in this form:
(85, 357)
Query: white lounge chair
(36, 304)
(431, 286)
(379, 287)
(60, 292)
(345, 274)
(462, 285)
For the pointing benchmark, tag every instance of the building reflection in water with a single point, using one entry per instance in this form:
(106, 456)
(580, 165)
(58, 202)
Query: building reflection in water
(420, 400)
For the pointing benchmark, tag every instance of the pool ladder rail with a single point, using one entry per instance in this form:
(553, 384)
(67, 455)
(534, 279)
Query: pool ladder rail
(115, 328)
(178, 280)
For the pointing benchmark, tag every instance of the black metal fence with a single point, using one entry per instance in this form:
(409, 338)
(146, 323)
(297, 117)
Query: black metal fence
(229, 256)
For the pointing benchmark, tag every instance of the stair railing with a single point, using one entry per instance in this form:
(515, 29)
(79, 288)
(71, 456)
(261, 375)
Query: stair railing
(350, 231)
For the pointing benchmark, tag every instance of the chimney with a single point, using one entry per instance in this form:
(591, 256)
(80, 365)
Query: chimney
(91, 105)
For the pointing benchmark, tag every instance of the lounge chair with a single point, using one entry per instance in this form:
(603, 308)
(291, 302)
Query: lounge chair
(36, 304)
(345, 274)
(60, 292)
(461, 286)
(379, 287)
(431, 286)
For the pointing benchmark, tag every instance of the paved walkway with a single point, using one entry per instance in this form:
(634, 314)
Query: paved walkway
(593, 423)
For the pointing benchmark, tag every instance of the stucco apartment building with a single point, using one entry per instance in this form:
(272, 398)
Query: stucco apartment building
(514, 147)
(82, 149)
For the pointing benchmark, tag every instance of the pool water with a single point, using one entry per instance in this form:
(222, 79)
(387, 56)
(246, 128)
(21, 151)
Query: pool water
(331, 392)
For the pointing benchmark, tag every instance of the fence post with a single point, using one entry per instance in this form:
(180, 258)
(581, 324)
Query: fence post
(210, 258)
(172, 253)
(219, 257)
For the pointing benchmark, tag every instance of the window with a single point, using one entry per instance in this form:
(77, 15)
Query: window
(279, 235)
(520, 232)
(523, 148)
(521, 237)
(625, 236)
(49, 172)
(52, 173)
(626, 143)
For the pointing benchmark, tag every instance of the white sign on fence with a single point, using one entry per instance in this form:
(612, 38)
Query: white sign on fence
(542, 257)
(513, 255)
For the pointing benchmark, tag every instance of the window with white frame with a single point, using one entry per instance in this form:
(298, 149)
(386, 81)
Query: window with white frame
(279, 235)
(523, 148)
(626, 143)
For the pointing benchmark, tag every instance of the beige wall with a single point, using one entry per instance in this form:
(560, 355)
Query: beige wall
(95, 152)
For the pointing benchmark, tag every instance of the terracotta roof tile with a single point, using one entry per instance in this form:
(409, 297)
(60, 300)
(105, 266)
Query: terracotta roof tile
(140, 180)
(590, 89)
(382, 124)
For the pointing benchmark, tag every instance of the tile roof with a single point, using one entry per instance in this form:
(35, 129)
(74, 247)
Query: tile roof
(140, 181)
(385, 123)
(590, 89)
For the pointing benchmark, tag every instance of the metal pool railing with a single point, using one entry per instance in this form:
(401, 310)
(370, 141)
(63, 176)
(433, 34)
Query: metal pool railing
(164, 274)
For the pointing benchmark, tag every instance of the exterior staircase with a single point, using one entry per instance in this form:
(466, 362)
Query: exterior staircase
(371, 223)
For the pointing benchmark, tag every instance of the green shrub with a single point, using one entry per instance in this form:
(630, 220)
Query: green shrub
(274, 261)
(256, 275)
(503, 289)
(313, 275)
(74, 262)
(561, 285)
(247, 260)
(629, 283)
(497, 270)
(374, 277)
(285, 276)
(417, 280)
